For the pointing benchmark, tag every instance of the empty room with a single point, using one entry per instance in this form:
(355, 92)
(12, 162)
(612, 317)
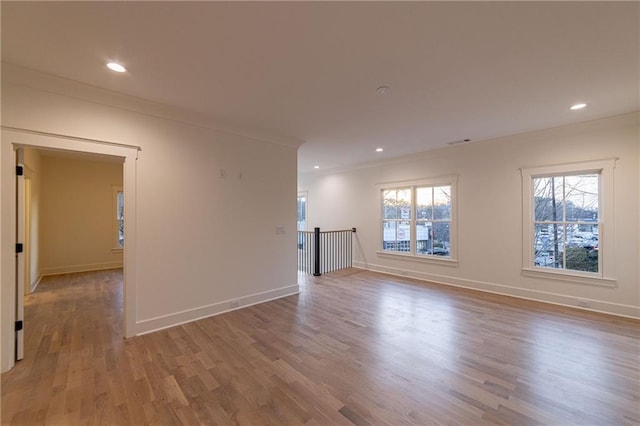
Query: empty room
(324, 213)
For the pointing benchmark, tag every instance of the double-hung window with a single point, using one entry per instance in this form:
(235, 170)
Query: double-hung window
(568, 221)
(418, 219)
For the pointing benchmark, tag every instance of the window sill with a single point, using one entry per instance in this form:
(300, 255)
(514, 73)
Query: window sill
(117, 250)
(437, 260)
(569, 277)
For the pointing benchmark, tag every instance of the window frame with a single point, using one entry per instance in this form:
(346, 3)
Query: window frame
(413, 185)
(606, 260)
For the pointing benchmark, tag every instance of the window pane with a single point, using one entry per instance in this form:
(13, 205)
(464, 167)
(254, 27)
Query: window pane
(389, 204)
(547, 193)
(121, 233)
(424, 203)
(389, 232)
(120, 212)
(404, 203)
(404, 236)
(581, 195)
(442, 202)
(582, 259)
(120, 217)
(549, 245)
(423, 237)
(582, 247)
(441, 245)
(543, 237)
(302, 209)
(544, 245)
(302, 214)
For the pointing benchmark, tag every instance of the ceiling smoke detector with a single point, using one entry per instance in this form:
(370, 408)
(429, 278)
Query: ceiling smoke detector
(382, 90)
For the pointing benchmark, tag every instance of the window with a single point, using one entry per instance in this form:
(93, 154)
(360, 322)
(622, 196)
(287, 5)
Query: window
(302, 219)
(118, 215)
(566, 222)
(417, 219)
(565, 211)
(302, 212)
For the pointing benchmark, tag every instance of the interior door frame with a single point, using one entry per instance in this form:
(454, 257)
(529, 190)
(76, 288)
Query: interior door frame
(12, 139)
(20, 255)
(28, 188)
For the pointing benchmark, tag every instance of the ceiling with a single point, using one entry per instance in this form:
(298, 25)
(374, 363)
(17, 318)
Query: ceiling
(308, 71)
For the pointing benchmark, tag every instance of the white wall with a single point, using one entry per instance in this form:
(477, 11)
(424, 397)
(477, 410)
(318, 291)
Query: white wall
(490, 210)
(203, 240)
(77, 215)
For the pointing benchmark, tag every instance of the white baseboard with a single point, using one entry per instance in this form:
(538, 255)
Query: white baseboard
(34, 284)
(617, 309)
(171, 320)
(69, 269)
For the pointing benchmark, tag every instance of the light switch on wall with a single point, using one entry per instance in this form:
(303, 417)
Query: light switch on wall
(280, 230)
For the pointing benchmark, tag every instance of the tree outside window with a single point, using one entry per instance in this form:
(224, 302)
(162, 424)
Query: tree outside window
(120, 217)
(566, 227)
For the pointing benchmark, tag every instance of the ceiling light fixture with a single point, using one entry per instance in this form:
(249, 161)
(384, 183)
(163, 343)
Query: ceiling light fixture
(379, 149)
(113, 66)
(575, 107)
(316, 167)
(382, 90)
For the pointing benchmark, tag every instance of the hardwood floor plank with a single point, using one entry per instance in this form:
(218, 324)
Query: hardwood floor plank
(354, 347)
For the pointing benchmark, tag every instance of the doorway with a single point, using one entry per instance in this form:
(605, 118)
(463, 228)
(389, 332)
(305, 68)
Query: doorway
(12, 140)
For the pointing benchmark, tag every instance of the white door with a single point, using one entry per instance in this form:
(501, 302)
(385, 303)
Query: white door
(20, 248)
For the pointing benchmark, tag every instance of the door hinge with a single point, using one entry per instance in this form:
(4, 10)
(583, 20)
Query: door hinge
(19, 325)
(19, 247)
(19, 170)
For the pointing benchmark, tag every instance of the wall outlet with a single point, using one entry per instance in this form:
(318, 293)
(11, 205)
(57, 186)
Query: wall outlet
(582, 303)
(234, 304)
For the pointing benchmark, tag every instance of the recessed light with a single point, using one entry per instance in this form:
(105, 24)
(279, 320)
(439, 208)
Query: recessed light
(379, 149)
(577, 106)
(316, 167)
(113, 66)
(382, 90)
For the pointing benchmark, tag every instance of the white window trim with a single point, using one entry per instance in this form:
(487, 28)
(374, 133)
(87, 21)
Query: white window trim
(450, 180)
(116, 248)
(606, 270)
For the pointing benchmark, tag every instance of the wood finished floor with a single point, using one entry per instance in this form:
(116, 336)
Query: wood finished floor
(353, 348)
